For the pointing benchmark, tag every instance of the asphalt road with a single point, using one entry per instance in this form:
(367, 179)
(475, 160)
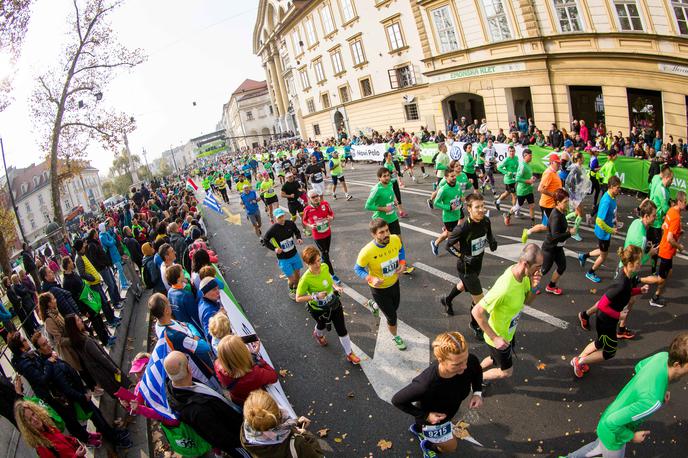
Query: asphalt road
(543, 410)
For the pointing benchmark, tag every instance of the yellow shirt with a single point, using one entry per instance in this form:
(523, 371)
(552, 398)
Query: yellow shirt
(92, 271)
(381, 262)
(405, 148)
(240, 185)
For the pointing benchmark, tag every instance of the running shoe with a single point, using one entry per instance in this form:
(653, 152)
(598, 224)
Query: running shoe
(435, 249)
(507, 219)
(584, 321)
(498, 205)
(336, 280)
(353, 359)
(292, 294)
(524, 235)
(577, 369)
(592, 276)
(448, 309)
(334, 196)
(585, 368)
(656, 301)
(431, 206)
(416, 431)
(425, 175)
(349, 197)
(118, 306)
(399, 342)
(373, 308)
(577, 237)
(426, 447)
(553, 290)
(403, 214)
(322, 340)
(581, 259)
(409, 270)
(479, 334)
(626, 334)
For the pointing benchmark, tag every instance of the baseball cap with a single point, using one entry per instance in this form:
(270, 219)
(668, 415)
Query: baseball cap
(568, 143)
(278, 212)
(554, 157)
(138, 365)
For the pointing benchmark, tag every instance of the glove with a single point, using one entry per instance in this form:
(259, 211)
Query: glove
(493, 245)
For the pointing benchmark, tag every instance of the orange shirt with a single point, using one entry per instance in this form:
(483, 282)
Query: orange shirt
(672, 223)
(550, 183)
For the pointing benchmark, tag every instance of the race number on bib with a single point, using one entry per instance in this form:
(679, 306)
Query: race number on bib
(514, 323)
(478, 245)
(388, 267)
(322, 225)
(287, 245)
(438, 434)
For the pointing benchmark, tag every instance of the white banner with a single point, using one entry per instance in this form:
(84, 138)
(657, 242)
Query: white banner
(374, 152)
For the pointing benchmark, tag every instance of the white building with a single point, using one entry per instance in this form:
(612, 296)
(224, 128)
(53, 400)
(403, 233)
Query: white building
(250, 116)
(31, 188)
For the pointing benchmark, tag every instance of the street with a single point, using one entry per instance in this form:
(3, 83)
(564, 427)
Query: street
(543, 410)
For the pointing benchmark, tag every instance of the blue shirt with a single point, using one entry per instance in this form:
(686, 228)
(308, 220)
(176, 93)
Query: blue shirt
(183, 304)
(184, 338)
(250, 201)
(206, 310)
(247, 170)
(607, 212)
(594, 163)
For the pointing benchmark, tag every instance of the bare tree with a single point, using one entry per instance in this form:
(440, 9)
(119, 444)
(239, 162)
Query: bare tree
(14, 22)
(64, 103)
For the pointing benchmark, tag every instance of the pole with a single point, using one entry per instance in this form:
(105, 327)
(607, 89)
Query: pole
(132, 169)
(9, 186)
(145, 158)
(174, 161)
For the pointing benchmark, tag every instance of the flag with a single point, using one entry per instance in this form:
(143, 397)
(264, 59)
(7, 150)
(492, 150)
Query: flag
(211, 202)
(152, 386)
(190, 183)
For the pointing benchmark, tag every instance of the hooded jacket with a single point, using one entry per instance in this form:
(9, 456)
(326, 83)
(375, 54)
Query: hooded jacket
(97, 255)
(277, 442)
(109, 242)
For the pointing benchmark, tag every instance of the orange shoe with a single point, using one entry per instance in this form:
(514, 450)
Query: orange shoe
(320, 339)
(353, 359)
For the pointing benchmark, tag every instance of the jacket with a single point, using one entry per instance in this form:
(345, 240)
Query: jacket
(101, 367)
(31, 366)
(211, 417)
(61, 377)
(206, 310)
(25, 296)
(8, 396)
(65, 302)
(97, 255)
(28, 261)
(153, 270)
(305, 445)
(261, 374)
(109, 242)
(135, 250)
(87, 270)
(62, 344)
(184, 307)
(178, 243)
(61, 445)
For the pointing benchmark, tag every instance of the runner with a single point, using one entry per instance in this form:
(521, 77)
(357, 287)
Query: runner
(469, 160)
(249, 200)
(499, 311)
(488, 182)
(659, 194)
(669, 245)
(549, 183)
(379, 263)
(337, 175)
(472, 236)
(316, 288)
(221, 186)
(395, 178)
(646, 393)
(270, 197)
(605, 227)
(553, 246)
(449, 201)
(416, 156)
(317, 217)
(292, 190)
(442, 162)
(508, 167)
(524, 188)
(610, 309)
(280, 239)
(395, 163)
(578, 185)
(315, 174)
(433, 397)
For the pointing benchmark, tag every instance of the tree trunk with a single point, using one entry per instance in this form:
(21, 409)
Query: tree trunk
(4, 256)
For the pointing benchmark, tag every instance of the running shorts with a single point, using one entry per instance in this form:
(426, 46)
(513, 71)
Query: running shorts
(470, 277)
(254, 219)
(409, 161)
(394, 227)
(545, 215)
(664, 267)
(503, 358)
(554, 255)
(319, 187)
(337, 178)
(511, 188)
(388, 299)
(527, 198)
(450, 225)
(290, 265)
(295, 207)
(603, 245)
(271, 200)
(606, 341)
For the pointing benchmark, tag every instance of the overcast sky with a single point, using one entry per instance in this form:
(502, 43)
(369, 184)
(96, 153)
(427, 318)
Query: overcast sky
(197, 51)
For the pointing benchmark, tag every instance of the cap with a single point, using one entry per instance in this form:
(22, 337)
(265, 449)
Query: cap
(208, 284)
(138, 365)
(568, 143)
(278, 212)
(554, 157)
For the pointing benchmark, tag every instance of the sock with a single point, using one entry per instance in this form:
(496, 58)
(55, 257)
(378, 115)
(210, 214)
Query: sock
(552, 284)
(346, 343)
(586, 255)
(591, 271)
(318, 332)
(585, 314)
(452, 294)
(498, 201)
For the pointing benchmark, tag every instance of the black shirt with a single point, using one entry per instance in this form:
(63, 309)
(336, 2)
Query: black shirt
(316, 173)
(284, 236)
(294, 188)
(429, 392)
(472, 237)
(558, 230)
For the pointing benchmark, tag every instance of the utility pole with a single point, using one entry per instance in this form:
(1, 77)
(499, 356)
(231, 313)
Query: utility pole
(174, 160)
(9, 186)
(132, 169)
(145, 158)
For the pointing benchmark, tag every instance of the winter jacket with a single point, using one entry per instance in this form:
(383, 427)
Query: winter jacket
(184, 307)
(65, 302)
(28, 261)
(135, 250)
(206, 310)
(63, 378)
(109, 242)
(61, 445)
(101, 367)
(178, 243)
(97, 255)
(8, 396)
(153, 270)
(31, 366)
(87, 270)
(261, 374)
(62, 343)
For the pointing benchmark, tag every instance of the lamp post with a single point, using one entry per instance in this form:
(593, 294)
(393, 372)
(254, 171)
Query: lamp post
(9, 187)
(174, 160)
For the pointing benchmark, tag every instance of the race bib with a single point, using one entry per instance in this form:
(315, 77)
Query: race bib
(478, 245)
(317, 177)
(327, 301)
(391, 212)
(287, 245)
(514, 323)
(456, 203)
(388, 267)
(322, 225)
(438, 434)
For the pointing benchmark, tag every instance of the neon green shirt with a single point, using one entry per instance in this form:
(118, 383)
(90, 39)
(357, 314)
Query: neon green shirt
(509, 167)
(310, 283)
(336, 167)
(381, 196)
(504, 302)
(268, 188)
(523, 174)
(448, 199)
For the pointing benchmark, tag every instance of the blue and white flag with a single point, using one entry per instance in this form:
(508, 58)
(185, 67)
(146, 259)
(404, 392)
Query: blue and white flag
(152, 386)
(211, 202)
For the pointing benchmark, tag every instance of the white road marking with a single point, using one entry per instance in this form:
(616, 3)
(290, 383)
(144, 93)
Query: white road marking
(528, 310)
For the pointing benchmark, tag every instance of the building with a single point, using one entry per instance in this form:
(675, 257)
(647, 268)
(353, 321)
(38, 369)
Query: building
(31, 189)
(250, 116)
(369, 64)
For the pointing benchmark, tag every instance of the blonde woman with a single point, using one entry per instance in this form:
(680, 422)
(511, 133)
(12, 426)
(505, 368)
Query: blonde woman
(434, 396)
(241, 371)
(40, 432)
(219, 327)
(268, 431)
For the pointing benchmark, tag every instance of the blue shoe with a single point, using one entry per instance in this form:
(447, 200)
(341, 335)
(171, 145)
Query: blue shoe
(577, 237)
(428, 452)
(581, 259)
(111, 341)
(415, 430)
(336, 280)
(592, 276)
(435, 249)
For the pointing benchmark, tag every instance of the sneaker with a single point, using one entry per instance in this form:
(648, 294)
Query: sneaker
(524, 235)
(111, 341)
(425, 175)
(399, 342)
(118, 306)
(479, 334)
(581, 259)
(334, 196)
(409, 270)
(626, 334)
(584, 321)
(431, 206)
(507, 219)
(656, 301)
(498, 205)
(553, 290)
(353, 359)
(435, 249)
(577, 369)
(448, 309)
(592, 276)
(426, 448)
(373, 308)
(93, 441)
(585, 368)
(349, 197)
(322, 340)
(577, 237)
(403, 214)
(416, 431)
(292, 294)
(413, 179)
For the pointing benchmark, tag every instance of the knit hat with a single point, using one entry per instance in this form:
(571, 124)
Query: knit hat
(147, 249)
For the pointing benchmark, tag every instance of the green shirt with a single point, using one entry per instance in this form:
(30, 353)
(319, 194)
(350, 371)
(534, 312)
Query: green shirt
(469, 163)
(392, 170)
(479, 152)
(336, 167)
(523, 174)
(509, 167)
(504, 302)
(381, 196)
(268, 188)
(464, 182)
(441, 163)
(637, 235)
(659, 194)
(607, 171)
(448, 199)
(640, 398)
(310, 283)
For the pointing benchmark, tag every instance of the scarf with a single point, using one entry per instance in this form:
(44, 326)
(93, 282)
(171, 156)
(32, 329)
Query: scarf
(55, 315)
(273, 436)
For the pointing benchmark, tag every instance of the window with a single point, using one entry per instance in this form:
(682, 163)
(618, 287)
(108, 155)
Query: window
(496, 20)
(290, 87)
(33, 223)
(326, 18)
(348, 11)
(319, 71)
(366, 87)
(305, 84)
(310, 105)
(316, 129)
(27, 207)
(296, 42)
(681, 11)
(36, 181)
(40, 199)
(337, 65)
(357, 52)
(444, 26)
(411, 111)
(344, 94)
(567, 15)
(396, 40)
(402, 77)
(249, 115)
(325, 100)
(270, 110)
(629, 16)
(311, 37)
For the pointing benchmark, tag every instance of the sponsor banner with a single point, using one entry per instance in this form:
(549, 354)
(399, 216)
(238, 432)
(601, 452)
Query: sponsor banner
(374, 152)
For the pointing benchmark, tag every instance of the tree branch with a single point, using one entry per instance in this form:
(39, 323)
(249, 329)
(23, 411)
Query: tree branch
(78, 22)
(87, 126)
(51, 98)
(93, 67)
(80, 89)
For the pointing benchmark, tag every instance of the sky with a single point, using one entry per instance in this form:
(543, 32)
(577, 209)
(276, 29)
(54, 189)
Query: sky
(198, 51)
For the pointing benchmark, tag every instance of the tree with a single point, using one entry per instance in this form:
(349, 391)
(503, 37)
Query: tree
(91, 59)
(165, 169)
(8, 237)
(14, 22)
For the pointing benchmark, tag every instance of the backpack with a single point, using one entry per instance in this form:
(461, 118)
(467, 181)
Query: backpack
(185, 441)
(146, 279)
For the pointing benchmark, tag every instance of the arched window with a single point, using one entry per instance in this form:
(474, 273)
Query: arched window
(36, 180)
(24, 188)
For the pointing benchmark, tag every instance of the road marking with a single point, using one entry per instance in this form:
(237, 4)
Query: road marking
(419, 229)
(528, 310)
(390, 370)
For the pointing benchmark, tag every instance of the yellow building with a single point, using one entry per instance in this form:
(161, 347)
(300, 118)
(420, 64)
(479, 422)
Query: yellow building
(369, 64)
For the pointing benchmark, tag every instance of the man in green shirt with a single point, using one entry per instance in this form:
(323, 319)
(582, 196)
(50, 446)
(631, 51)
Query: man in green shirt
(499, 310)
(469, 164)
(508, 167)
(382, 201)
(524, 188)
(449, 201)
(337, 174)
(659, 195)
(638, 400)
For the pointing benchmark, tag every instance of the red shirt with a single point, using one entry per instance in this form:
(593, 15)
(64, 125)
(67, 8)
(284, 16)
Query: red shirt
(317, 216)
(262, 374)
(61, 446)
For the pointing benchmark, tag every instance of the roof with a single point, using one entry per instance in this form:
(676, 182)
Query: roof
(41, 171)
(250, 85)
(253, 94)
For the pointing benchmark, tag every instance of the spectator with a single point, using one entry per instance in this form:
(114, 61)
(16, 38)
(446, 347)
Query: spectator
(584, 132)
(219, 327)
(133, 246)
(40, 433)
(55, 327)
(88, 272)
(29, 263)
(556, 138)
(102, 262)
(26, 306)
(10, 393)
(65, 301)
(151, 273)
(109, 241)
(210, 303)
(182, 300)
(168, 256)
(177, 240)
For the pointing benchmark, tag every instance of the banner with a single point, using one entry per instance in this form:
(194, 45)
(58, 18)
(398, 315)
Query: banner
(374, 152)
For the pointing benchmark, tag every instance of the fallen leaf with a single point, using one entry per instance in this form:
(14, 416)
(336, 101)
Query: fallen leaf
(282, 276)
(541, 366)
(384, 444)
(463, 425)
(283, 372)
(269, 281)
(323, 432)
(337, 439)
(350, 394)
(593, 290)
(461, 433)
